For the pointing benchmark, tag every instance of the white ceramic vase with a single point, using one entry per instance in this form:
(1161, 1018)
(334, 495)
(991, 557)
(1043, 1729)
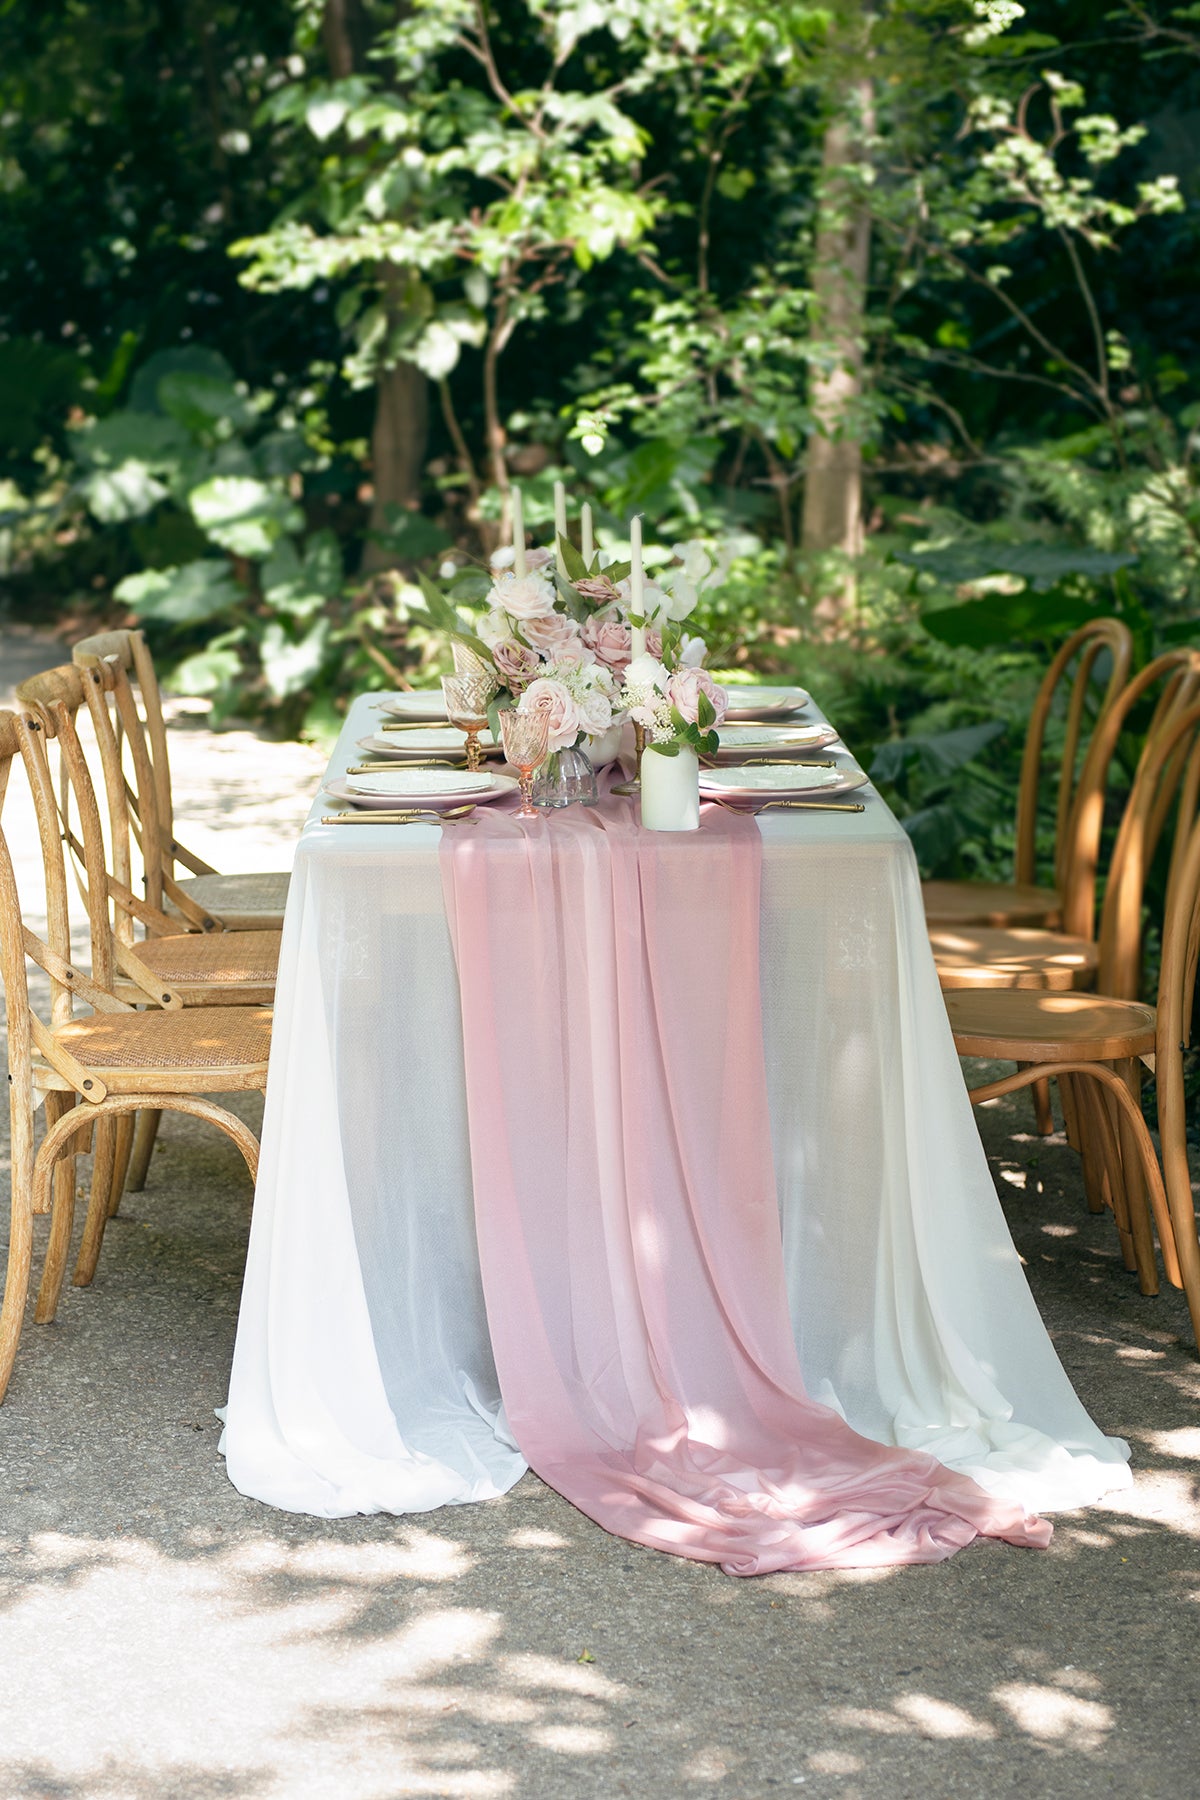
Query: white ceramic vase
(604, 748)
(670, 791)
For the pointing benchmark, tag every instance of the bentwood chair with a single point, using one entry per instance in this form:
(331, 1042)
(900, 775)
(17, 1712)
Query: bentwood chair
(1022, 902)
(166, 964)
(988, 956)
(96, 1068)
(236, 902)
(1097, 1044)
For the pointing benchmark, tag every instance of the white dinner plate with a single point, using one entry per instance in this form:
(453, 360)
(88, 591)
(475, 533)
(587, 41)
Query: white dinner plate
(413, 784)
(761, 780)
(498, 788)
(780, 740)
(437, 740)
(754, 702)
(425, 703)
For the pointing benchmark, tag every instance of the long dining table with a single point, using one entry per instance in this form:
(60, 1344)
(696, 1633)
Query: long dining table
(363, 1377)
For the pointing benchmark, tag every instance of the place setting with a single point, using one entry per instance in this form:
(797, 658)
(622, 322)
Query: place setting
(784, 786)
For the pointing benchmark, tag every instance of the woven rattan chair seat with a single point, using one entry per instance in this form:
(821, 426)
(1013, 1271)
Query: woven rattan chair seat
(996, 903)
(1017, 1026)
(218, 959)
(218, 1050)
(242, 902)
(979, 956)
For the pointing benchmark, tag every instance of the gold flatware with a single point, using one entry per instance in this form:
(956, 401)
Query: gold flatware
(416, 725)
(382, 767)
(413, 815)
(757, 806)
(432, 762)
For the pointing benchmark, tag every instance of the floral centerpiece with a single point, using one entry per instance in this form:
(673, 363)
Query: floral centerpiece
(592, 643)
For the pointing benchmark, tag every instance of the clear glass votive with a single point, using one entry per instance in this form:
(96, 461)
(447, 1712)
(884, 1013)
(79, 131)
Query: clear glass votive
(566, 778)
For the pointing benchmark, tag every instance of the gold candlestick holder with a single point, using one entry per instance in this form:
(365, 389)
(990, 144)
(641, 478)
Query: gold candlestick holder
(639, 745)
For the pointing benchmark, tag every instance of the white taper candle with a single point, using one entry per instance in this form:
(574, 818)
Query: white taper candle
(560, 524)
(586, 544)
(636, 584)
(518, 518)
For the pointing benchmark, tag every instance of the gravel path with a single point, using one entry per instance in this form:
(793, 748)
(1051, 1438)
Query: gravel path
(161, 1636)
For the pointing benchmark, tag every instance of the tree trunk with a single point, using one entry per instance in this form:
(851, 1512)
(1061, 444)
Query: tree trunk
(400, 434)
(832, 518)
(398, 443)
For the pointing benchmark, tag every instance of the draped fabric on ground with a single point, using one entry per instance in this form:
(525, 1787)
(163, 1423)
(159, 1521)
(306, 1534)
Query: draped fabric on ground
(626, 1208)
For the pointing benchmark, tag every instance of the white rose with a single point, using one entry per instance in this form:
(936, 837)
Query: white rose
(646, 671)
(523, 596)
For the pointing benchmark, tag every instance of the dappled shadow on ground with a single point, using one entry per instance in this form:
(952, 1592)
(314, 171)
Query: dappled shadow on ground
(163, 1635)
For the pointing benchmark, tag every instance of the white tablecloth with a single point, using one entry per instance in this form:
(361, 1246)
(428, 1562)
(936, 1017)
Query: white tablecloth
(362, 1377)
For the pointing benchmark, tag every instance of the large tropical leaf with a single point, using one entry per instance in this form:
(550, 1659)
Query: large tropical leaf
(243, 515)
(1041, 565)
(184, 596)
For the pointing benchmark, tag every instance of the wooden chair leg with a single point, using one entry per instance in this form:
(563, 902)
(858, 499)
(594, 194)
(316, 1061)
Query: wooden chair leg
(143, 1149)
(125, 1131)
(1101, 1153)
(1043, 1112)
(103, 1165)
(62, 1214)
(1135, 1185)
(1093, 1187)
(16, 1279)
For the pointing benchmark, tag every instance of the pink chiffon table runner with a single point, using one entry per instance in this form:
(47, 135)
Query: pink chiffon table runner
(626, 1210)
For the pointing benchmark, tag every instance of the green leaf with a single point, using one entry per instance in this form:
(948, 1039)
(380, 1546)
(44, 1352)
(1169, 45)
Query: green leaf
(129, 492)
(1042, 565)
(290, 666)
(188, 359)
(243, 515)
(202, 402)
(705, 710)
(1008, 618)
(573, 563)
(411, 536)
(208, 672)
(671, 748)
(183, 596)
(939, 753)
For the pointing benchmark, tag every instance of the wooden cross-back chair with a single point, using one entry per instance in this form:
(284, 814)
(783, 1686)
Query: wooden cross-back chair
(166, 966)
(988, 956)
(1022, 902)
(1096, 1044)
(96, 1068)
(234, 902)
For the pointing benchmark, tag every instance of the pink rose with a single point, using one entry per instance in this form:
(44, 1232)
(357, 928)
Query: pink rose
(597, 587)
(515, 663)
(685, 688)
(654, 644)
(610, 640)
(553, 635)
(562, 715)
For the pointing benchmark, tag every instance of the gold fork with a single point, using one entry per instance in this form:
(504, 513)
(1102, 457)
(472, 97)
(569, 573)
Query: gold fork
(413, 815)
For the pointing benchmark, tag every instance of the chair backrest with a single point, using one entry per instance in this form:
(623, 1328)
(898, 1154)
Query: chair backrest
(1088, 645)
(14, 979)
(132, 653)
(1177, 995)
(1176, 675)
(57, 696)
(1167, 778)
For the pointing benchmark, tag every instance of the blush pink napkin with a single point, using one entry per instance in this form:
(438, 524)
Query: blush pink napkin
(626, 1210)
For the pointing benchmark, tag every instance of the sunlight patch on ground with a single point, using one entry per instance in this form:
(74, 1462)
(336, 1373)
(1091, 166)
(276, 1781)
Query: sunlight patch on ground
(1053, 1717)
